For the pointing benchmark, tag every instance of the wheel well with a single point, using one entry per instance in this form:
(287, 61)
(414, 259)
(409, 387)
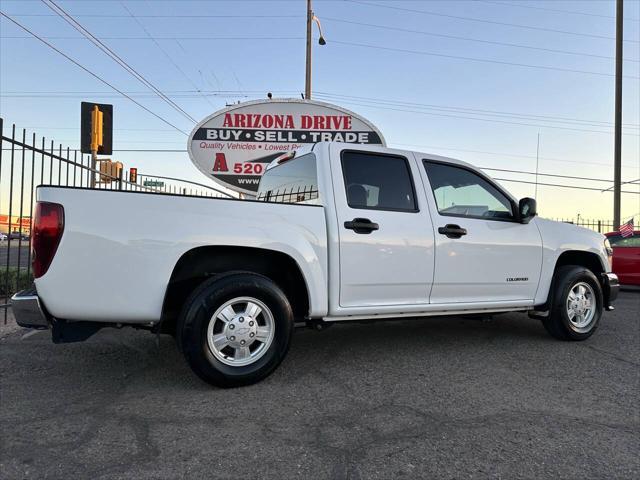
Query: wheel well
(202, 263)
(572, 257)
(584, 259)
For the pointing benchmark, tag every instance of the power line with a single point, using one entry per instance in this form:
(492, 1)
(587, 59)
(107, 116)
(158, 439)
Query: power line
(552, 127)
(560, 186)
(508, 154)
(176, 66)
(166, 150)
(547, 174)
(53, 93)
(555, 10)
(182, 150)
(472, 110)
(482, 60)
(217, 38)
(111, 54)
(327, 96)
(482, 20)
(440, 111)
(90, 72)
(100, 15)
(379, 47)
(456, 37)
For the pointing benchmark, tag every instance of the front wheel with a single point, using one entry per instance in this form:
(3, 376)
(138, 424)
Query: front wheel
(235, 329)
(577, 304)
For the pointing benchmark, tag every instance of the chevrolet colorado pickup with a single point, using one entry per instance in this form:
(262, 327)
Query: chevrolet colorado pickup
(337, 232)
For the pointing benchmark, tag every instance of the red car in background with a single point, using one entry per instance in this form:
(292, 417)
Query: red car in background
(626, 257)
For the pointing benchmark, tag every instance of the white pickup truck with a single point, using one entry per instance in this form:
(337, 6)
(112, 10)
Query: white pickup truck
(338, 232)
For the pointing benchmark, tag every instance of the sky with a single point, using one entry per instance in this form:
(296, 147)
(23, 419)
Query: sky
(475, 80)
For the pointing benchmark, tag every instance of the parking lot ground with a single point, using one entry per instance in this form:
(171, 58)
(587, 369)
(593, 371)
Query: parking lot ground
(432, 398)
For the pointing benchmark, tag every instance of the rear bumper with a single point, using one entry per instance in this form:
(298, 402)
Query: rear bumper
(28, 310)
(610, 289)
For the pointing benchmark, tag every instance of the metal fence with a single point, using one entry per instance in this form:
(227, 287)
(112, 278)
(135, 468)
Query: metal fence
(297, 194)
(27, 161)
(602, 226)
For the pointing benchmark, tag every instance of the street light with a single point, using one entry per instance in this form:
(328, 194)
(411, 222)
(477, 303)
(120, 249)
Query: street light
(310, 19)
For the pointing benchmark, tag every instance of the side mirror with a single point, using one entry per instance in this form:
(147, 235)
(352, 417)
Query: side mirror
(527, 209)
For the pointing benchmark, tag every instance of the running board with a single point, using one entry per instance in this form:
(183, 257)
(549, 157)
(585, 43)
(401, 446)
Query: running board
(432, 313)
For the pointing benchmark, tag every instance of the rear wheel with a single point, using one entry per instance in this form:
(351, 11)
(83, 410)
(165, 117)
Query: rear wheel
(235, 329)
(577, 304)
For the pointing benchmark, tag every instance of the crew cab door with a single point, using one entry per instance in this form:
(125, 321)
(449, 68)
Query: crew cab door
(384, 229)
(482, 253)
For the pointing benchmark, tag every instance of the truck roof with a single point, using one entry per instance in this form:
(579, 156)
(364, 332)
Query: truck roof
(372, 148)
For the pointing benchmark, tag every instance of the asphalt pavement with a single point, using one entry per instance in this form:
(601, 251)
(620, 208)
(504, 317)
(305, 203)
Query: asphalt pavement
(437, 398)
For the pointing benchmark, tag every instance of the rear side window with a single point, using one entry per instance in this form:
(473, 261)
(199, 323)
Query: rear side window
(295, 181)
(378, 182)
(620, 241)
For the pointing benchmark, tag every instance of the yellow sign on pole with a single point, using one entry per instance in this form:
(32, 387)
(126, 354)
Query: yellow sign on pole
(96, 128)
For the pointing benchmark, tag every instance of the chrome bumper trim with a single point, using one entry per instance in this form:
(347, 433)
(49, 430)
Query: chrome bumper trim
(610, 289)
(28, 311)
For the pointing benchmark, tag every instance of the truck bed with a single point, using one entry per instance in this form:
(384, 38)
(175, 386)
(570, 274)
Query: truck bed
(133, 240)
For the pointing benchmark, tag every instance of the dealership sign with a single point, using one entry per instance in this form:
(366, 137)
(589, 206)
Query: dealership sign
(234, 146)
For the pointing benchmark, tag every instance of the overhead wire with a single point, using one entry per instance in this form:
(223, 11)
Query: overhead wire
(393, 102)
(165, 53)
(97, 77)
(490, 120)
(482, 20)
(470, 39)
(334, 97)
(481, 60)
(114, 56)
(234, 38)
(554, 10)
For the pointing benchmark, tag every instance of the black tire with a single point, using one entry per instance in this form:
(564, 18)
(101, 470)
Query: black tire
(558, 323)
(198, 310)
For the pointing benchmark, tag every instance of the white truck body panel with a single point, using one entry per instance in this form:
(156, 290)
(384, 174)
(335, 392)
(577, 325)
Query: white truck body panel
(558, 238)
(392, 266)
(474, 268)
(119, 250)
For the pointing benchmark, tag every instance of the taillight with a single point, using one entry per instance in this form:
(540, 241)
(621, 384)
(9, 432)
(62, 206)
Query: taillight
(48, 224)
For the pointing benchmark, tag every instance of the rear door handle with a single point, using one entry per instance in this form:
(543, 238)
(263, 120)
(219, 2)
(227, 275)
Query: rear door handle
(361, 225)
(452, 231)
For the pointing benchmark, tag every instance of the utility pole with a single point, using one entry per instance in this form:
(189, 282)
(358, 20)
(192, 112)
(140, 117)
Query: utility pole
(307, 83)
(617, 149)
(310, 19)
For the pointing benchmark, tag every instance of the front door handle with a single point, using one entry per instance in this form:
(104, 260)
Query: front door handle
(361, 225)
(452, 231)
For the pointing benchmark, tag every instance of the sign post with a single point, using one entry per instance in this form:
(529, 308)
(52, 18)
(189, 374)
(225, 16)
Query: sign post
(234, 146)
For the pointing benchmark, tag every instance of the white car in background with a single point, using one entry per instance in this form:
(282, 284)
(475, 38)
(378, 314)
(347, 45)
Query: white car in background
(3, 237)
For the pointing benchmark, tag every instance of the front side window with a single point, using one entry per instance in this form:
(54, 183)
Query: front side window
(378, 182)
(461, 192)
(295, 181)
